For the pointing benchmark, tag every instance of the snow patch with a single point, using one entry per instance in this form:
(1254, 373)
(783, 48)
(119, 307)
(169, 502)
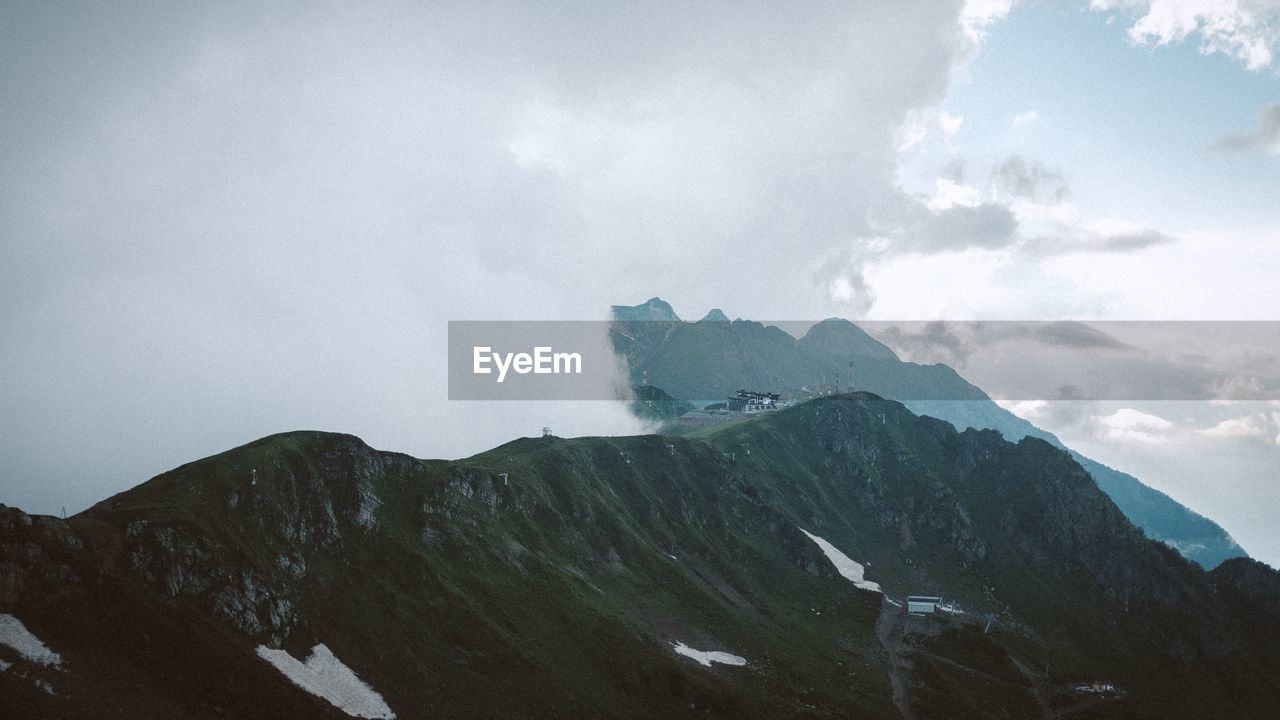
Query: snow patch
(14, 634)
(851, 570)
(5, 666)
(892, 602)
(707, 657)
(324, 676)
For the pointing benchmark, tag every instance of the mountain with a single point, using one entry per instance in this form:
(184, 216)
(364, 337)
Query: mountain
(704, 361)
(756, 570)
(655, 405)
(710, 360)
(1160, 516)
(715, 315)
(655, 310)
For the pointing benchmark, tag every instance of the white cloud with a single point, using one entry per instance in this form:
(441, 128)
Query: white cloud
(1248, 31)
(1257, 425)
(922, 125)
(948, 193)
(1131, 425)
(978, 14)
(1026, 118)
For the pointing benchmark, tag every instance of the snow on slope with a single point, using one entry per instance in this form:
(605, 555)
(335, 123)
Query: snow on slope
(14, 634)
(846, 567)
(324, 675)
(707, 657)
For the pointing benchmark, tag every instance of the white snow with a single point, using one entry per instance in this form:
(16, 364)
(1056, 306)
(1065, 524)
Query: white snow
(707, 657)
(324, 676)
(851, 570)
(5, 666)
(14, 634)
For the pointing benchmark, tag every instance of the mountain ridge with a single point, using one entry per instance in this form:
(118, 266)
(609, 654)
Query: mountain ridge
(550, 577)
(694, 361)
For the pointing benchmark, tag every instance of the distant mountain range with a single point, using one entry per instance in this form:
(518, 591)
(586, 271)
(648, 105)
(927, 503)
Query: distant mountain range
(755, 569)
(713, 358)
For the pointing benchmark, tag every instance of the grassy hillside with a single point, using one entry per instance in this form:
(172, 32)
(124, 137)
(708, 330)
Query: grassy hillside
(556, 578)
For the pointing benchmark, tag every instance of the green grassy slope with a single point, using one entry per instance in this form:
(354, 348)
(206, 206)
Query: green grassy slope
(552, 578)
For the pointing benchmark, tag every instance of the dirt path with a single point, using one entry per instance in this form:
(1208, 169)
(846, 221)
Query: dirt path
(1037, 686)
(889, 615)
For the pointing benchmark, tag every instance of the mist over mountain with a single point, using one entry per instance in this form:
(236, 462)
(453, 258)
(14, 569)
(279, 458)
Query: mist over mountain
(710, 361)
(758, 568)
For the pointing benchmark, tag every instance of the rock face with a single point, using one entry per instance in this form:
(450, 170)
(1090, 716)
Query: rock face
(1250, 578)
(553, 577)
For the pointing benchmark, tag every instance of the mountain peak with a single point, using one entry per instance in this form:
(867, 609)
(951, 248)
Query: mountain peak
(716, 315)
(841, 337)
(655, 309)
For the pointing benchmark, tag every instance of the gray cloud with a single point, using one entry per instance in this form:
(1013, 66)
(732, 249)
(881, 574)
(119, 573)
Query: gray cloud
(1133, 241)
(239, 219)
(955, 170)
(1080, 240)
(1030, 180)
(901, 226)
(1074, 335)
(1265, 139)
(955, 342)
(932, 342)
(1090, 361)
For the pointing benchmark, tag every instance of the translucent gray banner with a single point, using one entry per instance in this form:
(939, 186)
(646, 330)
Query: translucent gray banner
(1099, 360)
(1008, 360)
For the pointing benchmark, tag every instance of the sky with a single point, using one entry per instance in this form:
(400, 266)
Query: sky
(222, 222)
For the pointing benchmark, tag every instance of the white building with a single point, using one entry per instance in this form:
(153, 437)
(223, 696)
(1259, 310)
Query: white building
(922, 603)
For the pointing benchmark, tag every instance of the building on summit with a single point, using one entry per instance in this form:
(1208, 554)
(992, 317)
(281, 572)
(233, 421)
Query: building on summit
(752, 402)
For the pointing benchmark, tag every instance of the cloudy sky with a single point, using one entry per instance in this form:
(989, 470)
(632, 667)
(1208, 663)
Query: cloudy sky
(226, 221)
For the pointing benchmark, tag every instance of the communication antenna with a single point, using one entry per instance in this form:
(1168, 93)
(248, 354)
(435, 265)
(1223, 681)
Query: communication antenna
(546, 431)
(253, 480)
